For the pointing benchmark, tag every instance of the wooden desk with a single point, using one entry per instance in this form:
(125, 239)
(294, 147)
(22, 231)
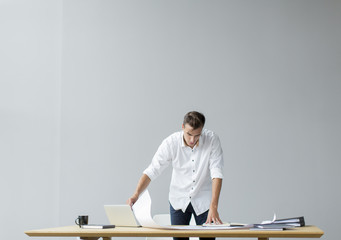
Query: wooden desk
(106, 234)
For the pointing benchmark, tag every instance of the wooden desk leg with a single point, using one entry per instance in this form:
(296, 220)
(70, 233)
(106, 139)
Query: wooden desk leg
(263, 238)
(106, 238)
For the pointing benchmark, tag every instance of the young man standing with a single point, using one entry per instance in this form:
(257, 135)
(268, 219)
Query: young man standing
(197, 160)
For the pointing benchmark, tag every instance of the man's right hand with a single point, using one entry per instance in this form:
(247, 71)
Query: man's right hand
(131, 201)
(141, 186)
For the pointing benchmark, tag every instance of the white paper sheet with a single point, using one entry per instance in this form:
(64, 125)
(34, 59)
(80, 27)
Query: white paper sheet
(268, 221)
(142, 211)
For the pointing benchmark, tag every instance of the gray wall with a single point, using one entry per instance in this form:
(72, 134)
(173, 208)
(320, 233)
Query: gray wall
(91, 88)
(30, 57)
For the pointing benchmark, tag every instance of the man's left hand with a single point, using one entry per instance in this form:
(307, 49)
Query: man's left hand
(213, 217)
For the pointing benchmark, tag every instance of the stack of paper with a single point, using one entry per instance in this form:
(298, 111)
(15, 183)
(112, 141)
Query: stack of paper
(296, 222)
(280, 224)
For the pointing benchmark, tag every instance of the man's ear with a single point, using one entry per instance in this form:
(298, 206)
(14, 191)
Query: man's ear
(183, 126)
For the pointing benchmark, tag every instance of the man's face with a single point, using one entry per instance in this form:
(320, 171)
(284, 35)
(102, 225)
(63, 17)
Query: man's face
(191, 136)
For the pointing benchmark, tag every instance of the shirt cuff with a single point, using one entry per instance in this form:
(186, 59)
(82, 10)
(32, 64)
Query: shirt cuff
(150, 174)
(217, 173)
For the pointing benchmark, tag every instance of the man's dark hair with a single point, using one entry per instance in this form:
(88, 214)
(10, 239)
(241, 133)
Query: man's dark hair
(194, 119)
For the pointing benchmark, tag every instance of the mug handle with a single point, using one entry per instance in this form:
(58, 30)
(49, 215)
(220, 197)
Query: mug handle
(77, 221)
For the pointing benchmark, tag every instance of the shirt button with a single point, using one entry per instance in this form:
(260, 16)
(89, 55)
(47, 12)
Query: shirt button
(192, 160)
(193, 180)
(193, 170)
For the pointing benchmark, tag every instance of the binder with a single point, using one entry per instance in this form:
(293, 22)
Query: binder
(296, 221)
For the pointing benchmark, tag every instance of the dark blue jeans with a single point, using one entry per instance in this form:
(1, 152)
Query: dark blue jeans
(183, 218)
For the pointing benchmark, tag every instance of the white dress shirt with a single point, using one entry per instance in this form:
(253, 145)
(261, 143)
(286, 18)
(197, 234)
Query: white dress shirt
(193, 169)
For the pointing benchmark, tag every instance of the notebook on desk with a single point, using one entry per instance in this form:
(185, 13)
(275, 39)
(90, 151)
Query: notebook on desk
(121, 216)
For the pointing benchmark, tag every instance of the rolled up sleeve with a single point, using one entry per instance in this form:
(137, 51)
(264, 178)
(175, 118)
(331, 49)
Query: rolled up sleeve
(216, 159)
(159, 162)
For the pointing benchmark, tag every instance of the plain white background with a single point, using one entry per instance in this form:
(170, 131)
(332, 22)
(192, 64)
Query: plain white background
(89, 89)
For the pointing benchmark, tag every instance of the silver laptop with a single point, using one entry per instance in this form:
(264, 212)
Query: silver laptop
(121, 216)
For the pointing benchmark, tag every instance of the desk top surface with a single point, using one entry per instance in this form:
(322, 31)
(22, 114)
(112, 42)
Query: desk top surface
(71, 231)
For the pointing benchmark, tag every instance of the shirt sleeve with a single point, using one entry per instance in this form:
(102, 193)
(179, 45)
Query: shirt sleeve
(216, 159)
(160, 161)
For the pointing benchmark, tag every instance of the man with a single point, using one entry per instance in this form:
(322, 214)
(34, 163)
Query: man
(197, 160)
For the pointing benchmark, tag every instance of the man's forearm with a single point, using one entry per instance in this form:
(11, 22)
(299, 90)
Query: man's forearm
(142, 185)
(216, 188)
(213, 215)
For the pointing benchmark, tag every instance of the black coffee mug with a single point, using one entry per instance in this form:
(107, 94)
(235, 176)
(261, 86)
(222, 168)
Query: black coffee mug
(82, 220)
